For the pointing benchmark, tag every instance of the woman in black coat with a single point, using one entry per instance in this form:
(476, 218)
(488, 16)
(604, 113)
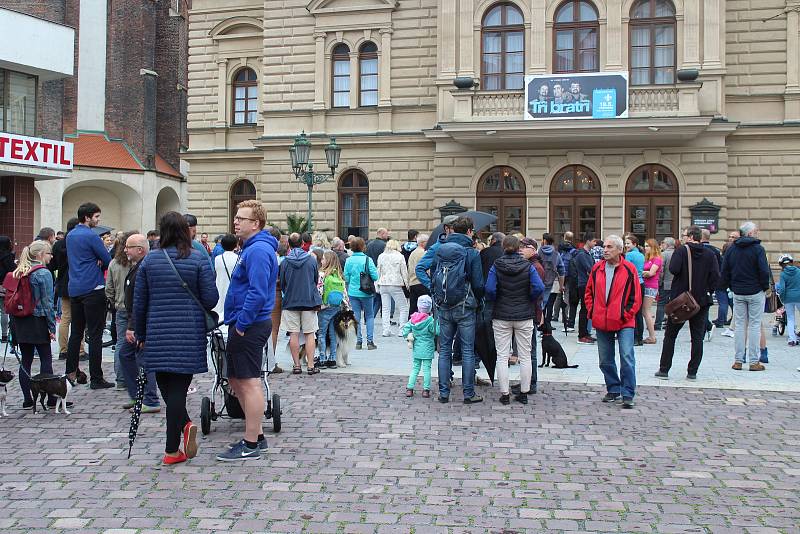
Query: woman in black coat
(7, 265)
(170, 325)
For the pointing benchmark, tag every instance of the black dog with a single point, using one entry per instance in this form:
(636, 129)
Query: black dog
(58, 386)
(552, 351)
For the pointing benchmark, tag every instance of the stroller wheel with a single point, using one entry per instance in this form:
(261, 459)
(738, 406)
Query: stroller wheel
(276, 413)
(205, 415)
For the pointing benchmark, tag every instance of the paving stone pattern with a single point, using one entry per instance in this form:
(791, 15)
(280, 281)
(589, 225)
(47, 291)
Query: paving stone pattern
(356, 456)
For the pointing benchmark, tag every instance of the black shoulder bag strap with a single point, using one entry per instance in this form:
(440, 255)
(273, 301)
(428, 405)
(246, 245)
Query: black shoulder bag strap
(225, 264)
(183, 283)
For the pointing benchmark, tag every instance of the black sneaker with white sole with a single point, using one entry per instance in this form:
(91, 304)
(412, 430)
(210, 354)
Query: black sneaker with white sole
(262, 444)
(611, 397)
(663, 375)
(627, 402)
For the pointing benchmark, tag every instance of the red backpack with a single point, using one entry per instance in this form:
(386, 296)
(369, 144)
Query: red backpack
(19, 296)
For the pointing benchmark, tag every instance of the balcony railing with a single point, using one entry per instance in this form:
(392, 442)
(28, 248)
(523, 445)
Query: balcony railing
(643, 101)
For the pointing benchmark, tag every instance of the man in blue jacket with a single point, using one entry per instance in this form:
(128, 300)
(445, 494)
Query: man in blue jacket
(248, 309)
(746, 272)
(88, 258)
(457, 317)
(299, 275)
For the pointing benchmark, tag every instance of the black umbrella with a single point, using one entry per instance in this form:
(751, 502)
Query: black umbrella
(141, 382)
(102, 230)
(480, 220)
(485, 348)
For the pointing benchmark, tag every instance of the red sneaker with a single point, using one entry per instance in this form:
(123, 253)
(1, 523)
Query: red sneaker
(170, 460)
(190, 440)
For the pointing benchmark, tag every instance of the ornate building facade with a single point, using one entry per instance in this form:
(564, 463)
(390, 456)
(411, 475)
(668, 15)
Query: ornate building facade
(713, 112)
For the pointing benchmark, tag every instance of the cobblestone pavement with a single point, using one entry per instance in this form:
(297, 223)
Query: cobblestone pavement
(355, 455)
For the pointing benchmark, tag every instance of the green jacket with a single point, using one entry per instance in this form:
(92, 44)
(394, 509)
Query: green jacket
(425, 332)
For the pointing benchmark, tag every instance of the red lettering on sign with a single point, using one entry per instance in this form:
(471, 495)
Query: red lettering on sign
(63, 157)
(16, 148)
(3, 141)
(31, 146)
(45, 149)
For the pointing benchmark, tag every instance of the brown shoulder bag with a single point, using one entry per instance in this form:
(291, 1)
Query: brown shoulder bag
(684, 306)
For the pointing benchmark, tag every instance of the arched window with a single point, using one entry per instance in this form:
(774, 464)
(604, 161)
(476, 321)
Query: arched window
(653, 35)
(576, 35)
(651, 202)
(245, 97)
(501, 192)
(368, 74)
(353, 204)
(341, 76)
(502, 48)
(240, 191)
(574, 202)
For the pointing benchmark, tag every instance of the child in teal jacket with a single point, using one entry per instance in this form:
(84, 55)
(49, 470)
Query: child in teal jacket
(421, 330)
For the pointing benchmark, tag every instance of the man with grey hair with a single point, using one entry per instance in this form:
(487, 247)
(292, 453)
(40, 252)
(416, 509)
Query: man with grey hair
(613, 296)
(665, 289)
(746, 272)
(337, 245)
(136, 248)
(416, 289)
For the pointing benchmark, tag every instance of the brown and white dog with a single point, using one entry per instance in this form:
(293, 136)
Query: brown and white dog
(345, 324)
(6, 377)
(58, 386)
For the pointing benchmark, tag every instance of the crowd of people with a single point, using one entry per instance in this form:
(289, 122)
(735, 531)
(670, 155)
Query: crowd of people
(441, 296)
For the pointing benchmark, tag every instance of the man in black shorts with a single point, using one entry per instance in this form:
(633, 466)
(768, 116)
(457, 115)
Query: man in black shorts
(248, 307)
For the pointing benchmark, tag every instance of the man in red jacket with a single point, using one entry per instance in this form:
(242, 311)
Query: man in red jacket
(612, 298)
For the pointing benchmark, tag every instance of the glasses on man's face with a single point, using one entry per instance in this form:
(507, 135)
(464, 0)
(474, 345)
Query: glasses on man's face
(240, 219)
(128, 247)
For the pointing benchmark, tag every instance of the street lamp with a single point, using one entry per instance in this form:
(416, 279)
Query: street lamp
(303, 169)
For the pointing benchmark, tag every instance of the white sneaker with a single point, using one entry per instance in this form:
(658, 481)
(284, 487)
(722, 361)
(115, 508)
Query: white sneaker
(710, 333)
(728, 332)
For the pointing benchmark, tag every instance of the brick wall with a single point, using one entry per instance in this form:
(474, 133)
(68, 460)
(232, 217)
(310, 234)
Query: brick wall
(16, 215)
(170, 64)
(131, 34)
(755, 50)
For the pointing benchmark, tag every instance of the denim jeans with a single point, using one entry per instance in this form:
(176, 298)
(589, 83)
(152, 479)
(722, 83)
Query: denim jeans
(327, 331)
(623, 382)
(364, 304)
(130, 363)
(459, 321)
(748, 311)
(120, 325)
(722, 312)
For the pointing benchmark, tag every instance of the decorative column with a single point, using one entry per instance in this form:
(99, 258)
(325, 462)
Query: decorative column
(614, 35)
(792, 96)
(222, 82)
(466, 39)
(385, 68)
(448, 48)
(319, 70)
(691, 36)
(538, 43)
(711, 35)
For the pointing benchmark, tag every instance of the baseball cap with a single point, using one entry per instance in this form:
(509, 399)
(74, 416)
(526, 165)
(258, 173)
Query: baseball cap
(529, 242)
(785, 258)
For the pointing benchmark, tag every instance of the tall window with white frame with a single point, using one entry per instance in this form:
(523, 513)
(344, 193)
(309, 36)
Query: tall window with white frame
(653, 36)
(18, 102)
(340, 74)
(503, 49)
(245, 97)
(576, 36)
(368, 74)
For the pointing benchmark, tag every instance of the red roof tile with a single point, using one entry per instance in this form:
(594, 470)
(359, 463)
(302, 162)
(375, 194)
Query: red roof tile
(97, 150)
(165, 168)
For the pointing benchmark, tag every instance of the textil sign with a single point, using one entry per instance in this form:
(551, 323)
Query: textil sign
(593, 95)
(35, 151)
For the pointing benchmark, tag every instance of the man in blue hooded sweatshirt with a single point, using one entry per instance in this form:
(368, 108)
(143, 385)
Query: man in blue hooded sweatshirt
(248, 308)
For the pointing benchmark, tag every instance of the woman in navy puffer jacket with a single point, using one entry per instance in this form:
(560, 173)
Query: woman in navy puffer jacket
(170, 326)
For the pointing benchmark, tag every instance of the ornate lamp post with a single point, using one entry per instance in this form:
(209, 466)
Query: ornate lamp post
(304, 169)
